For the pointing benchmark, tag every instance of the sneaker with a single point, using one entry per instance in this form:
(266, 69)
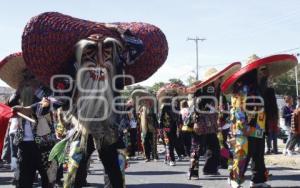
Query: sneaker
(172, 163)
(59, 183)
(252, 185)
(284, 152)
(180, 158)
(147, 160)
(297, 149)
(233, 183)
(289, 152)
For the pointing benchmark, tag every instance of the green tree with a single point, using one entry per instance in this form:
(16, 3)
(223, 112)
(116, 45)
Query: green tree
(128, 89)
(156, 86)
(190, 80)
(176, 81)
(285, 84)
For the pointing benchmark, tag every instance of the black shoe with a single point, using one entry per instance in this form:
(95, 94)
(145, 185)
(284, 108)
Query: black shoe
(224, 167)
(268, 152)
(211, 173)
(86, 184)
(59, 183)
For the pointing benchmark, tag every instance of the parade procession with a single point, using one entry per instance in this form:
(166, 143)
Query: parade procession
(78, 113)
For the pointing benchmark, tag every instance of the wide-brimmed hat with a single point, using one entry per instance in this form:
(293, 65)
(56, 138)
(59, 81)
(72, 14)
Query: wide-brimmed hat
(11, 69)
(212, 74)
(170, 89)
(139, 95)
(275, 64)
(48, 44)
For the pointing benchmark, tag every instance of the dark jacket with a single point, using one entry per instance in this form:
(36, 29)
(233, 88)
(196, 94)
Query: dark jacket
(287, 115)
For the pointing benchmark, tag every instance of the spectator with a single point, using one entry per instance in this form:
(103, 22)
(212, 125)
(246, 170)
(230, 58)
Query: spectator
(272, 117)
(287, 111)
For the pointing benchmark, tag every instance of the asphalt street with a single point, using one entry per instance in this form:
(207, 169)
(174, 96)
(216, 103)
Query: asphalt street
(159, 175)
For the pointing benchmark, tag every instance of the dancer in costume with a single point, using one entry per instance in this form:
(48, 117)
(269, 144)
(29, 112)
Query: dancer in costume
(95, 57)
(205, 118)
(34, 139)
(248, 85)
(133, 130)
(169, 119)
(146, 103)
(187, 128)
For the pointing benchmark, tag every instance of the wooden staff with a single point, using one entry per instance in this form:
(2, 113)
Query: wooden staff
(25, 117)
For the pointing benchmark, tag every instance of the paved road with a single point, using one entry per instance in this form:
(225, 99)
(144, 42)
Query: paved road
(159, 175)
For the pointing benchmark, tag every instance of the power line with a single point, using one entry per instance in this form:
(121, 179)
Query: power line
(288, 50)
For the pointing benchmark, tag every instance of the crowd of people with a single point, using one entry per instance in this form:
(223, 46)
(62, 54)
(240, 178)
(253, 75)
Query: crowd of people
(194, 127)
(68, 104)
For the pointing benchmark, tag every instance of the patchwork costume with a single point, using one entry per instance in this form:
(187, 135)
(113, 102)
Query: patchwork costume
(58, 45)
(249, 121)
(205, 119)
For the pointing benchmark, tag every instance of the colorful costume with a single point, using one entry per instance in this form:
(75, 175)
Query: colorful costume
(109, 50)
(248, 86)
(238, 118)
(205, 119)
(145, 102)
(169, 120)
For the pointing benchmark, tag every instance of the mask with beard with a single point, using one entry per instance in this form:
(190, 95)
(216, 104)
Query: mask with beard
(97, 60)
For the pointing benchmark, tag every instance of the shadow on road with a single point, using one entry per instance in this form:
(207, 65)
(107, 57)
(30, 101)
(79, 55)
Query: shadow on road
(6, 180)
(164, 185)
(282, 168)
(182, 164)
(154, 173)
(5, 170)
(214, 178)
(291, 177)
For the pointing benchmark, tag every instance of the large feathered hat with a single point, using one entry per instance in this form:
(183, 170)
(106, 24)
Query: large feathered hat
(170, 89)
(49, 38)
(212, 74)
(275, 64)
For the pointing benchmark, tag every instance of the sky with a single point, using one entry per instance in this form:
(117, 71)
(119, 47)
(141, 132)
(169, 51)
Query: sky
(234, 29)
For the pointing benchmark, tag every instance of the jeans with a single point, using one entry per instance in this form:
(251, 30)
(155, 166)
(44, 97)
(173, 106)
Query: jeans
(272, 137)
(6, 152)
(187, 142)
(295, 139)
(133, 141)
(289, 133)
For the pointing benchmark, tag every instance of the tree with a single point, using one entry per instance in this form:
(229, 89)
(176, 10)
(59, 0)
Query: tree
(190, 80)
(285, 84)
(128, 89)
(176, 81)
(156, 86)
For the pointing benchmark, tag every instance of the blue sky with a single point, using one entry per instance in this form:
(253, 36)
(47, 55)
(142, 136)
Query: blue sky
(234, 29)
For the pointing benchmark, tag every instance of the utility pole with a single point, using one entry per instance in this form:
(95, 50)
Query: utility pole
(196, 41)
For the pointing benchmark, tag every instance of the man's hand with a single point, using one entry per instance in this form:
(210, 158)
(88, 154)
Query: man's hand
(17, 108)
(24, 110)
(45, 102)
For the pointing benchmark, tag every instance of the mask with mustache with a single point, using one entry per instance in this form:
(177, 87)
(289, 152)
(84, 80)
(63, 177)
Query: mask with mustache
(97, 58)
